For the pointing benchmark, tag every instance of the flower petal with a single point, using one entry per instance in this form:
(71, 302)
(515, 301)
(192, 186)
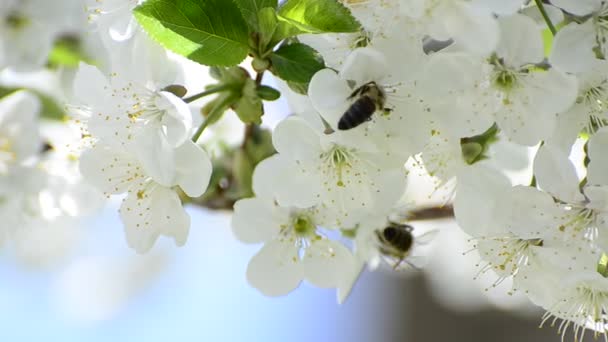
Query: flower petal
(325, 263)
(258, 219)
(476, 201)
(329, 95)
(520, 41)
(152, 210)
(556, 175)
(89, 84)
(155, 155)
(275, 270)
(295, 138)
(286, 182)
(573, 47)
(577, 7)
(597, 171)
(109, 170)
(528, 212)
(193, 169)
(177, 120)
(364, 65)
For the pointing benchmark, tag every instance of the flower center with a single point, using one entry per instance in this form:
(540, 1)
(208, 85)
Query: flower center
(505, 254)
(362, 40)
(595, 99)
(582, 222)
(338, 161)
(303, 226)
(584, 308)
(503, 77)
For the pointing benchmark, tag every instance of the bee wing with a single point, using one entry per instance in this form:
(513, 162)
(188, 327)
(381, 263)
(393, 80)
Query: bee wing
(426, 238)
(417, 261)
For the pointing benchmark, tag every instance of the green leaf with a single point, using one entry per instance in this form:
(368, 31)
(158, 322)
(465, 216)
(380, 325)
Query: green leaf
(210, 32)
(50, 108)
(300, 88)
(268, 22)
(296, 63)
(68, 51)
(251, 8)
(317, 16)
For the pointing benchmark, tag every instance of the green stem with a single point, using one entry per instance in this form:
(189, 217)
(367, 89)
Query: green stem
(259, 77)
(217, 111)
(207, 92)
(541, 8)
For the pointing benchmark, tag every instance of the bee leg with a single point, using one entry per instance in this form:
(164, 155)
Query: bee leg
(413, 266)
(398, 263)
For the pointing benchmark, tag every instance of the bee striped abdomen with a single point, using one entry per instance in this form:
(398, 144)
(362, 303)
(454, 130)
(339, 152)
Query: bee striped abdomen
(359, 112)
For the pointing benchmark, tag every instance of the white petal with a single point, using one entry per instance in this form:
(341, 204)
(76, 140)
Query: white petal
(111, 124)
(569, 125)
(521, 41)
(474, 29)
(555, 15)
(501, 7)
(258, 219)
(329, 95)
(334, 47)
(89, 85)
(528, 213)
(349, 279)
(155, 155)
(573, 47)
(295, 138)
(325, 263)
(597, 171)
(364, 65)
(275, 270)
(598, 197)
(19, 124)
(193, 168)
(521, 124)
(150, 211)
(578, 7)
(475, 204)
(555, 174)
(289, 184)
(177, 121)
(110, 170)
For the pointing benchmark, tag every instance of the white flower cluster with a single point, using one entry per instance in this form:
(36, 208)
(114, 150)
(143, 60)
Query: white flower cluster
(141, 132)
(427, 86)
(435, 85)
(136, 133)
(41, 192)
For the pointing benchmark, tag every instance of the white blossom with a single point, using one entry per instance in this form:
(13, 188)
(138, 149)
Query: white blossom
(294, 246)
(152, 207)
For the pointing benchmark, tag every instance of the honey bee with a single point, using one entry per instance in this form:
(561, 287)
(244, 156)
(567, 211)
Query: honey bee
(396, 242)
(371, 98)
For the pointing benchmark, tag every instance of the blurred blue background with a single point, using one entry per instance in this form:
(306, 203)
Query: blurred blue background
(200, 294)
